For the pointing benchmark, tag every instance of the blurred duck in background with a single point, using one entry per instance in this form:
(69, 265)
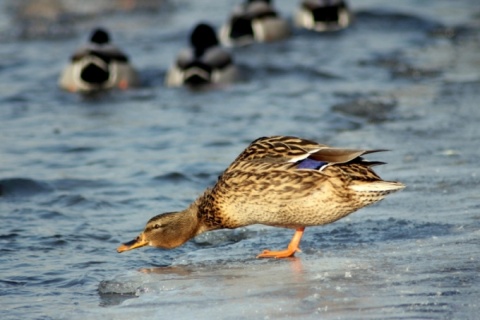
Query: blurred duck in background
(204, 63)
(323, 15)
(254, 21)
(99, 65)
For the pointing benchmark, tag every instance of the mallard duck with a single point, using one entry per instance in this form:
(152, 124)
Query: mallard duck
(204, 63)
(254, 21)
(323, 15)
(277, 181)
(99, 65)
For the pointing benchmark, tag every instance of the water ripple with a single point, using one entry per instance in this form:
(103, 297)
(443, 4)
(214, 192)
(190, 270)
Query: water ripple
(23, 187)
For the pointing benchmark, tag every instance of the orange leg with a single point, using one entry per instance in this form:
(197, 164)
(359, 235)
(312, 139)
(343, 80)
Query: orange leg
(290, 251)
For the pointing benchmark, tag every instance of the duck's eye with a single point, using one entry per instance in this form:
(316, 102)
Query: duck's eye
(157, 226)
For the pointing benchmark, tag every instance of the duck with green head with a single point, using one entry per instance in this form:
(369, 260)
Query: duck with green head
(278, 181)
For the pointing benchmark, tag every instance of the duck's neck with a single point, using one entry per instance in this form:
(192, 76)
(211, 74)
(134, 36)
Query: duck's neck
(190, 219)
(183, 226)
(203, 212)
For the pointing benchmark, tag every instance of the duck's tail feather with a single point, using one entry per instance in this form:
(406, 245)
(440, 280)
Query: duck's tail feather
(338, 155)
(370, 192)
(381, 187)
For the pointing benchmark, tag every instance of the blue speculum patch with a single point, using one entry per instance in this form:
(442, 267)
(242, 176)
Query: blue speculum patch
(310, 164)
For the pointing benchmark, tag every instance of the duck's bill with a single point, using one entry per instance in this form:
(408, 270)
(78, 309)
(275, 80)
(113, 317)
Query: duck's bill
(134, 244)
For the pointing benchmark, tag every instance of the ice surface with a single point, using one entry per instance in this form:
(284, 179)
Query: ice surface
(80, 175)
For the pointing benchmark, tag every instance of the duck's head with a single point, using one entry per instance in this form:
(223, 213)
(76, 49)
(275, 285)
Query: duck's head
(167, 231)
(252, 1)
(202, 38)
(100, 36)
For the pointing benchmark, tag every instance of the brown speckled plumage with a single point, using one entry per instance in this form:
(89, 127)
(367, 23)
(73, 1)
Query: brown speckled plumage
(265, 185)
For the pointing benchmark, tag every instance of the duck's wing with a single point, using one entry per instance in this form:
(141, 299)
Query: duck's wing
(213, 58)
(291, 152)
(278, 149)
(184, 58)
(113, 52)
(283, 168)
(80, 53)
(106, 52)
(217, 58)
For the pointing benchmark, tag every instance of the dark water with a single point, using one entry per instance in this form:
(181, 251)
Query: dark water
(78, 175)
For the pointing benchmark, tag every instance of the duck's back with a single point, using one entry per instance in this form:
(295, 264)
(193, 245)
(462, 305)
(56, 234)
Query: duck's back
(291, 182)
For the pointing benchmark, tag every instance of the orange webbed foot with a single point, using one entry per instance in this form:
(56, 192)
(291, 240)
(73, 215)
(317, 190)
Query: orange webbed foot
(287, 253)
